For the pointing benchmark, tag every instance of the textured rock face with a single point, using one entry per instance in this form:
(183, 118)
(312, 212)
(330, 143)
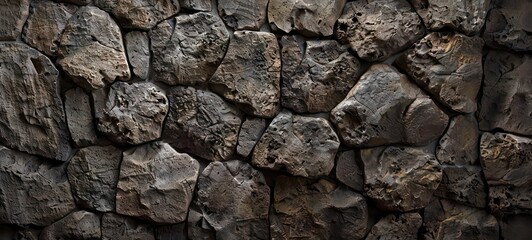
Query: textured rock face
(403, 226)
(139, 14)
(14, 14)
(316, 77)
(79, 117)
(250, 133)
(459, 144)
(188, 51)
(508, 25)
(30, 188)
(201, 123)
(348, 171)
(119, 227)
(198, 5)
(77, 2)
(197, 225)
(234, 199)
(463, 184)
(506, 102)
(384, 107)
(77, 225)
(32, 118)
(156, 183)
(91, 51)
(138, 52)
(243, 14)
(301, 146)
(377, 29)
(449, 66)
(250, 73)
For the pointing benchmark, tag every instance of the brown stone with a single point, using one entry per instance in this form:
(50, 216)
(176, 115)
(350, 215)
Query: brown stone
(243, 14)
(77, 225)
(516, 227)
(139, 14)
(508, 25)
(396, 227)
(463, 184)
(459, 144)
(13, 15)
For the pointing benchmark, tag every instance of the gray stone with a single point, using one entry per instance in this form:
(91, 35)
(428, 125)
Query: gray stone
(77, 2)
(243, 14)
(14, 13)
(449, 66)
(138, 53)
(197, 225)
(463, 184)
(116, 227)
(139, 14)
(516, 227)
(300, 145)
(171, 232)
(188, 51)
(32, 118)
(348, 170)
(508, 25)
(27, 234)
(318, 76)
(198, 5)
(77, 225)
(250, 133)
(156, 183)
(459, 144)
(396, 227)
(377, 29)
(250, 73)
(201, 123)
(79, 117)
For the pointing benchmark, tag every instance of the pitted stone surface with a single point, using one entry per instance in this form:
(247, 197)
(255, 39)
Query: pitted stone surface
(459, 144)
(243, 14)
(139, 14)
(77, 225)
(14, 13)
(403, 226)
(463, 184)
(508, 25)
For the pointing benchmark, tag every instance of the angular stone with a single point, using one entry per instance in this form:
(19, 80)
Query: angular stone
(384, 107)
(506, 100)
(243, 14)
(249, 135)
(138, 52)
(156, 183)
(348, 170)
(508, 25)
(116, 227)
(463, 184)
(188, 51)
(302, 146)
(377, 29)
(93, 175)
(79, 117)
(91, 51)
(516, 227)
(400, 178)
(234, 199)
(45, 24)
(507, 164)
(197, 225)
(250, 73)
(403, 226)
(310, 18)
(77, 225)
(14, 13)
(32, 191)
(32, 118)
(201, 123)
(318, 76)
(133, 113)
(459, 144)
(449, 66)
(139, 14)
(198, 5)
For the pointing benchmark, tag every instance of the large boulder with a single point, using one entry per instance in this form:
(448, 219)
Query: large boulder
(13, 15)
(139, 14)
(508, 25)
(77, 225)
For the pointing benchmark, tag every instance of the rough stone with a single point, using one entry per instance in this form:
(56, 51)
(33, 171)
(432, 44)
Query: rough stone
(91, 51)
(384, 107)
(396, 227)
(139, 14)
(243, 14)
(14, 13)
(400, 178)
(516, 227)
(138, 52)
(459, 144)
(32, 118)
(198, 5)
(201, 123)
(171, 232)
(79, 117)
(32, 191)
(506, 100)
(156, 183)
(77, 225)
(250, 73)
(77, 2)
(377, 29)
(449, 66)
(508, 25)
(249, 135)
(234, 199)
(463, 184)
(197, 225)
(316, 76)
(116, 227)
(188, 52)
(348, 170)
(310, 18)
(93, 175)
(300, 145)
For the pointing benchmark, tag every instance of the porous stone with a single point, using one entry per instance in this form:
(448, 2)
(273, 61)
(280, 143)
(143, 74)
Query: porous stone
(300, 145)
(243, 14)
(396, 227)
(198, 5)
(508, 25)
(459, 144)
(201, 123)
(91, 51)
(449, 66)
(348, 170)
(156, 183)
(384, 107)
(139, 14)
(377, 29)
(516, 227)
(250, 73)
(33, 191)
(117, 227)
(77, 225)
(234, 199)
(316, 75)
(400, 178)
(506, 101)
(79, 117)
(93, 175)
(188, 51)
(14, 13)
(133, 113)
(250, 133)
(138, 52)
(463, 184)
(310, 18)
(32, 118)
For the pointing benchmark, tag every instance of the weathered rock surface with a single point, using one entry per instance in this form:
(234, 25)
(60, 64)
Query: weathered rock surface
(506, 100)
(171, 232)
(32, 191)
(198, 5)
(91, 51)
(316, 76)
(304, 209)
(188, 51)
(32, 118)
(516, 227)
(133, 113)
(138, 53)
(400, 178)
(93, 175)
(310, 18)
(79, 117)
(139, 14)
(14, 13)
(463, 184)
(449, 66)
(197, 225)
(396, 227)
(250, 73)
(508, 25)
(384, 107)
(302, 146)
(507, 164)
(234, 199)
(116, 227)
(156, 183)
(77, 225)
(201, 123)
(459, 144)
(243, 14)
(377, 29)
(250, 133)
(348, 171)
(77, 2)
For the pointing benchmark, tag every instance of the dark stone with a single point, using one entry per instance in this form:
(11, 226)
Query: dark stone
(463, 184)
(249, 135)
(77, 225)
(396, 227)
(117, 227)
(13, 15)
(138, 53)
(198, 5)
(459, 144)
(79, 117)
(243, 14)
(348, 170)
(508, 25)
(139, 14)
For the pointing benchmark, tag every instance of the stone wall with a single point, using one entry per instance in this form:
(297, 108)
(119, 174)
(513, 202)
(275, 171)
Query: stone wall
(265, 119)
